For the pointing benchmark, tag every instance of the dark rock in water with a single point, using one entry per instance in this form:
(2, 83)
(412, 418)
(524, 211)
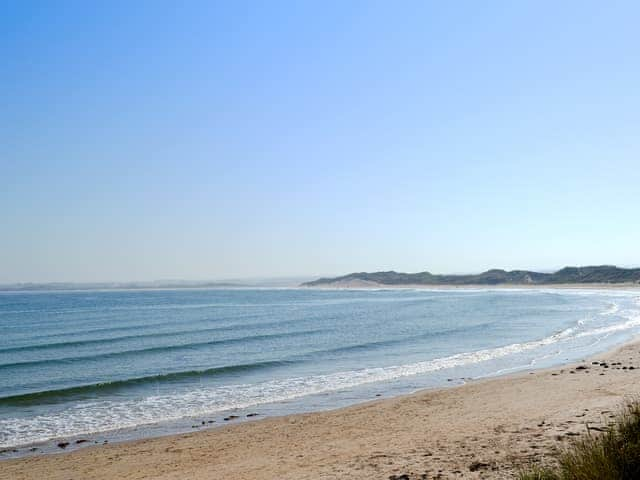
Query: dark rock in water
(252, 414)
(230, 417)
(82, 440)
(211, 421)
(33, 449)
(632, 367)
(63, 444)
(203, 422)
(475, 466)
(595, 363)
(581, 367)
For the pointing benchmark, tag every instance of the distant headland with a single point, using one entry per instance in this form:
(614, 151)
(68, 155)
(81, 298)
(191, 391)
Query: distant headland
(602, 274)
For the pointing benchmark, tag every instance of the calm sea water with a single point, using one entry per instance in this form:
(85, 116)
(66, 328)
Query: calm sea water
(134, 363)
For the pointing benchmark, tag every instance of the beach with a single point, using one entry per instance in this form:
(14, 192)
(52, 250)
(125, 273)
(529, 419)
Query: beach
(484, 429)
(339, 240)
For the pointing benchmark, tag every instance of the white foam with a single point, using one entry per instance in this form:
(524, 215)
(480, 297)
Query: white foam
(612, 310)
(90, 417)
(618, 327)
(101, 416)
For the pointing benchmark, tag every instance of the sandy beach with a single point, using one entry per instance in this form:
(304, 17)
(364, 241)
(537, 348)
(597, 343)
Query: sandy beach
(483, 429)
(319, 241)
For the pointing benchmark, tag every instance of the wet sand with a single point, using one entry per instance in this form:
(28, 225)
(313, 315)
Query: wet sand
(484, 429)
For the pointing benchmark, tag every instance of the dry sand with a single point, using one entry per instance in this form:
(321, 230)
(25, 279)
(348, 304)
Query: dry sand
(484, 429)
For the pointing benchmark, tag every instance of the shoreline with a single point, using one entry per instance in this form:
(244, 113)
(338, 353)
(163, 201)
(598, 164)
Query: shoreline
(352, 396)
(362, 285)
(352, 285)
(498, 422)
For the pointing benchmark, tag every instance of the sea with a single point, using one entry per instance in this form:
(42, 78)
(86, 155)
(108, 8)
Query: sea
(112, 365)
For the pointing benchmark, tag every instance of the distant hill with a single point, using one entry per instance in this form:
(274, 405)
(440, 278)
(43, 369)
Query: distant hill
(567, 275)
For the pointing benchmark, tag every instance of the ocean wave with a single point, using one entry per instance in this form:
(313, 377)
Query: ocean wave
(100, 416)
(76, 392)
(365, 346)
(147, 326)
(62, 394)
(97, 413)
(157, 349)
(151, 335)
(612, 310)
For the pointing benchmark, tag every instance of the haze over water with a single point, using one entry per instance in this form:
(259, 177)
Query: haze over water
(79, 363)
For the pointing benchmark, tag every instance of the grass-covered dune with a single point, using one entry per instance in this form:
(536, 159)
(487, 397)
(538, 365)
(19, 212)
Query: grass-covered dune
(567, 275)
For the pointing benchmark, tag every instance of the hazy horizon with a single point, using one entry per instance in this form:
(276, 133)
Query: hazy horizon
(228, 141)
(285, 280)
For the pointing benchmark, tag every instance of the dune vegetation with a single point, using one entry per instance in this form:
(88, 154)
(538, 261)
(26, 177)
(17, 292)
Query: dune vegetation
(611, 455)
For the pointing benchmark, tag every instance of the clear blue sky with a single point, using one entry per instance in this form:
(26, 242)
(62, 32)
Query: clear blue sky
(147, 140)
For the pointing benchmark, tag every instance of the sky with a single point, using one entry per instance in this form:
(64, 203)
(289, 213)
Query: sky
(214, 140)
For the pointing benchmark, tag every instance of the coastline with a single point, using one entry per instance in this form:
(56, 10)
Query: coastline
(366, 285)
(348, 285)
(486, 428)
